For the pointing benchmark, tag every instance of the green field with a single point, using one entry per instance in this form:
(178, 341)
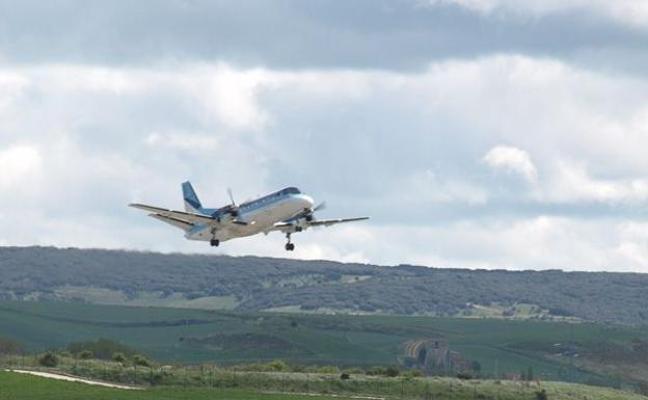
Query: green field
(172, 335)
(24, 387)
(15, 386)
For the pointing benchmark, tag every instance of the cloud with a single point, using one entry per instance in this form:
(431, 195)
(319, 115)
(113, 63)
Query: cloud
(415, 151)
(183, 141)
(120, 33)
(18, 163)
(632, 12)
(512, 159)
(572, 183)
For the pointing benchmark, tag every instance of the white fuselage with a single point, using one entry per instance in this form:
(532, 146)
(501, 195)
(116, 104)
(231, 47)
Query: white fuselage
(258, 215)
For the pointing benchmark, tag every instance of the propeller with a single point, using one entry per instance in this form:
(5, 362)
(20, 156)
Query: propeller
(309, 213)
(234, 209)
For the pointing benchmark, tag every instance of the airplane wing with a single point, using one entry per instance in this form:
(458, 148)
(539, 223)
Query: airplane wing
(329, 222)
(176, 215)
(177, 222)
(290, 226)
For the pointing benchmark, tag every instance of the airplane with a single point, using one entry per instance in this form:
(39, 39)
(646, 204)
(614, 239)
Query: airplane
(287, 211)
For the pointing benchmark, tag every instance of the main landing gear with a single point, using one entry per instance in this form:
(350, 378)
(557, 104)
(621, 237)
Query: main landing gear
(289, 246)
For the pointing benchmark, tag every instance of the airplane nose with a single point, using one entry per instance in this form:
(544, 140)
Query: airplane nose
(308, 201)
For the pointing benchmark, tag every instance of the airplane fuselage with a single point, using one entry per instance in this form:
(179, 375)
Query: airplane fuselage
(260, 215)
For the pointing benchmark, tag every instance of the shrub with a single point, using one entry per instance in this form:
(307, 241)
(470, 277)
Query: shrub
(541, 395)
(119, 357)
(464, 375)
(328, 369)
(140, 360)
(102, 349)
(278, 366)
(48, 359)
(85, 355)
(344, 376)
(414, 373)
(376, 371)
(392, 372)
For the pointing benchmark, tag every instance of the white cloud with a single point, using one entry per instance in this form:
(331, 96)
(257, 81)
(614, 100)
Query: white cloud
(572, 183)
(183, 141)
(632, 12)
(403, 147)
(512, 159)
(18, 163)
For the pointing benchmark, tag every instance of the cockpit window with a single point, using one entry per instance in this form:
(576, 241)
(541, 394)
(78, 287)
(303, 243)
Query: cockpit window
(290, 190)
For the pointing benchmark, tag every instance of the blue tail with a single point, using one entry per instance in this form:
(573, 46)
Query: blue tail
(192, 203)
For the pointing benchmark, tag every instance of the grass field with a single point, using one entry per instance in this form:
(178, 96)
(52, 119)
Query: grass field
(18, 387)
(172, 335)
(24, 387)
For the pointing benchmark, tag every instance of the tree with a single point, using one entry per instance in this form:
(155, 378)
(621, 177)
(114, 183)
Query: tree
(48, 359)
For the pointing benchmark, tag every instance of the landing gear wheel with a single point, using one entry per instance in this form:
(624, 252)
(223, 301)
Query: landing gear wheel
(214, 242)
(289, 246)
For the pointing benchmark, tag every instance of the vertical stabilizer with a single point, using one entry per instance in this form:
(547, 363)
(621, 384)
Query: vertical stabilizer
(191, 201)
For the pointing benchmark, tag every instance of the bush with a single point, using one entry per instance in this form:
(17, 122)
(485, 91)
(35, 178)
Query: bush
(344, 376)
(376, 371)
(414, 373)
(48, 359)
(102, 349)
(85, 355)
(464, 375)
(141, 361)
(541, 395)
(392, 372)
(278, 366)
(328, 369)
(119, 357)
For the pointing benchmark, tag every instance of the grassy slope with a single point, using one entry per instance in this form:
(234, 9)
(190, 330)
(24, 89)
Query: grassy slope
(18, 387)
(166, 334)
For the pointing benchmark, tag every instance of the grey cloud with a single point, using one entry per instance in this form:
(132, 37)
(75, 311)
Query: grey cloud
(403, 34)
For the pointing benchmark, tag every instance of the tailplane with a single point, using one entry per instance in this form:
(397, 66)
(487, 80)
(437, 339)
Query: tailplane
(191, 201)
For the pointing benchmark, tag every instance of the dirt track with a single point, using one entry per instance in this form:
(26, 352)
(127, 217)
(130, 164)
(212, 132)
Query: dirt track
(69, 378)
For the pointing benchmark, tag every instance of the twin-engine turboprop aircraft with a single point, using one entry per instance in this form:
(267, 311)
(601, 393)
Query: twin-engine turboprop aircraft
(287, 211)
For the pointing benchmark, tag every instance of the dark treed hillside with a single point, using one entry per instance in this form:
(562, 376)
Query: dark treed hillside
(263, 283)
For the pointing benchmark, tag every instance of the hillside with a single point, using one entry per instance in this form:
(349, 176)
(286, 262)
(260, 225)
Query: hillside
(257, 284)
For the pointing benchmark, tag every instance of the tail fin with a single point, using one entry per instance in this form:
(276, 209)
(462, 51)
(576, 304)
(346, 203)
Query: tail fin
(192, 203)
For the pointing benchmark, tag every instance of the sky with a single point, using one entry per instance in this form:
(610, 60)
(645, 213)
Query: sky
(475, 133)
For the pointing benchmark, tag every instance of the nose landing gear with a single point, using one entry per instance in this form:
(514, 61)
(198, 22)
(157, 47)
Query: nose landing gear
(289, 246)
(214, 242)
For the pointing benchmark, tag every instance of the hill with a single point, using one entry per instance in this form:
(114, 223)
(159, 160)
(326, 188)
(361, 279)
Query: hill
(257, 284)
